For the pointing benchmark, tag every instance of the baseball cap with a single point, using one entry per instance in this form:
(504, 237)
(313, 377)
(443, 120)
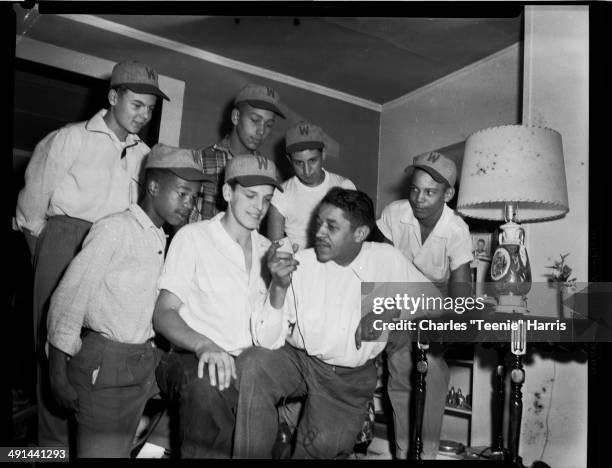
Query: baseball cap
(179, 161)
(438, 166)
(249, 170)
(303, 135)
(137, 77)
(260, 97)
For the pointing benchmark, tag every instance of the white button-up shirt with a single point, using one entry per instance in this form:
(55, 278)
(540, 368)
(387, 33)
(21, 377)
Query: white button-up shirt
(205, 268)
(322, 308)
(78, 171)
(446, 248)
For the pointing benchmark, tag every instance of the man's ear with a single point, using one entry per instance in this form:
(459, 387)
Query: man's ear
(449, 193)
(235, 116)
(113, 97)
(227, 192)
(323, 153)
(153, 187)
(361, 233)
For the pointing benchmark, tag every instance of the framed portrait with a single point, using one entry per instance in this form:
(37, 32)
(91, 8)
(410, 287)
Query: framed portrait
(482, 245)
(482, 249)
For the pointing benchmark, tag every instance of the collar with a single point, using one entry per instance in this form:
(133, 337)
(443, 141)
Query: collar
(409, 218)
(220, 231)
(222, 238)
(97, 124)
(307, 187)
(144, 220)
(224, 145)
(358, 265)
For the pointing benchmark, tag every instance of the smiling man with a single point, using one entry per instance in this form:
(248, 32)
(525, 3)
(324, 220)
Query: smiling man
(253, 116)
(292, 209)
(77, 175)
(306, 335)
(211, 285)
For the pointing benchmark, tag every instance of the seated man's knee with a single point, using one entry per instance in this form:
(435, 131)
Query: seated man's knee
(252, 363)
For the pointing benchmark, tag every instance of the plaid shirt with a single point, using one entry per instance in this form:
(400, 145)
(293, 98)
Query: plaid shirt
(212, 160)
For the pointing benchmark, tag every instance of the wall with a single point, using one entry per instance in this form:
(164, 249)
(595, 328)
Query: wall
(209, 89)
(555, 94)
(445, 112)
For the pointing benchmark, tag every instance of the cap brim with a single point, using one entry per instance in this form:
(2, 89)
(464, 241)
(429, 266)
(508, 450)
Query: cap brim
(435, 175)
(264, 105)
(252, 180)
(142, 88)
(190, 174)
(304, 145)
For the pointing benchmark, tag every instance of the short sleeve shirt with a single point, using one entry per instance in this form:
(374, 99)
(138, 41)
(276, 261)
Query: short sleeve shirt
(205, 268)
(447, 247)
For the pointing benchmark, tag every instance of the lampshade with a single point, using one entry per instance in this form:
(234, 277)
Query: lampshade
(513, 163)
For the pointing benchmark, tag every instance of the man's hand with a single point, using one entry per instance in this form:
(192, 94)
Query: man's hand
(221, 366)
(281, 265)
(64, 394)
(365, 330)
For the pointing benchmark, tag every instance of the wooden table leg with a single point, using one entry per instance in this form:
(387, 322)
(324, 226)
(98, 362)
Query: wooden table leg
(500, 393)
(416, 447)
(518, 347)
(517, 377)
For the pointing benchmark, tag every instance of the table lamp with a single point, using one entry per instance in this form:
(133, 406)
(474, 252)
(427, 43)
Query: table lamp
(513, 173)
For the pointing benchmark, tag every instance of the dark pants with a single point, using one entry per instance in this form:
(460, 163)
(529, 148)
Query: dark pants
(206, 416)
(399, 387)
(113, 381)
(333, 409)
(58, 243)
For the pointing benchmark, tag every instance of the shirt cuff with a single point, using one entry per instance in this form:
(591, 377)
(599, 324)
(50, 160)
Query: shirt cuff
(457, 262)
(66, 343)
(175, 286)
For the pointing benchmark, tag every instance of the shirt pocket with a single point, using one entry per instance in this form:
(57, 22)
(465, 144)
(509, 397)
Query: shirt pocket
(433, 262)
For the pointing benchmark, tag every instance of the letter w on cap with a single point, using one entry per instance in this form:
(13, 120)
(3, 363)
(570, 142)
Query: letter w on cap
(262, 162)
(150, 73)
(433, 157)
(270, 92)
(304, 129)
